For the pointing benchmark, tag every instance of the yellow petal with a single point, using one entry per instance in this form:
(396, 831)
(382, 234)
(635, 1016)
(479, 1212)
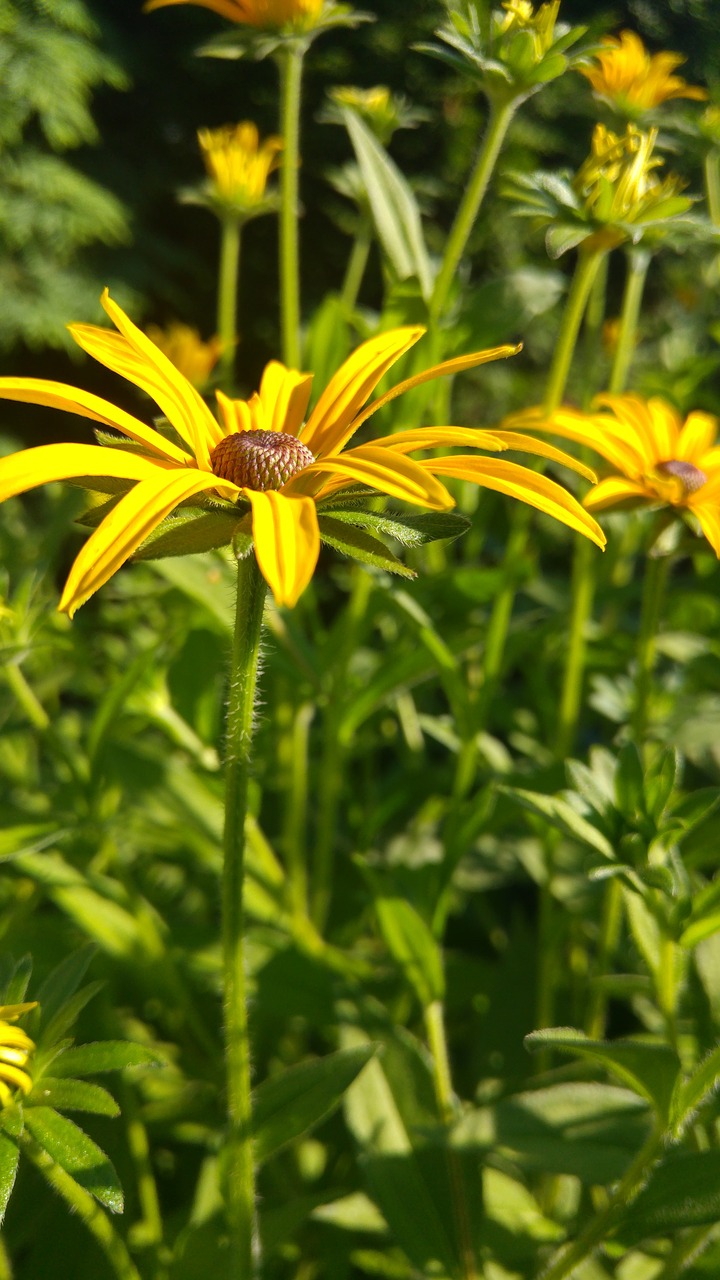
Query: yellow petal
(391, 473)
(650, 426)
(13, 1075)
(355, 380)
(595, 431)
(440, 438)
(448, 367)
(127, 525)
(518, 482)
(58, 396)
(287, 542)
(226, 8)
(613, 490)
(285, 394)
(709, 518)
(13, 1011)
(31, 467)
(527, 444)
(697, 435)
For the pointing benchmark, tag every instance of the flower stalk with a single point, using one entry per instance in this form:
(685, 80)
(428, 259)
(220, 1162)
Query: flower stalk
(240, 1180)
(656, 576)
(290, 63)
(230, 229)
(638, 261)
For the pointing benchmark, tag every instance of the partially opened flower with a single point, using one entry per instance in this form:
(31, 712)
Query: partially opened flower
(16, 1049)
(656, 457)
(263, 466)
(238, 166)
(182, 344)
(634, 81)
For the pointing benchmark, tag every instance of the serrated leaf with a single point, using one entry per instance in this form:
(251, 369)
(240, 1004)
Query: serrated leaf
(190, 532)
(411, 530)
(9, 1157)
(360, 546)
(73, 1095)
(562, 815)
(691, 1093)
(394, 207)
(290, 1104)
(650, 1070)
(77, 1154)
(684, 1191)
(104, 1055)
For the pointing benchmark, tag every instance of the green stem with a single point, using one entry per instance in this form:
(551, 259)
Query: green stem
(80, 1202)
(583, 593)
(139, 1147)
(290, 62)
(607, 945)
(638, 261)
(442, 1080)
(34, 710)
(227, 298)
(240, 1176)
(667, 986)
(355, 270)
(712, 184)
(296, 815)
(656, 575)
(569, 1257)
(586, 268)
(498, 124)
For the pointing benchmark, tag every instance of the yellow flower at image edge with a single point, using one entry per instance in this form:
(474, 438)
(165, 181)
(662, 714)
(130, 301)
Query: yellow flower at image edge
(656, 457)
(263, 455)
(273, 14)
(16, 1049)
(635, 80)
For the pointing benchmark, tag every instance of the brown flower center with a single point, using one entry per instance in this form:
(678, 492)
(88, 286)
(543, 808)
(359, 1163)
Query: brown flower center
(259, 459)
(690, 476)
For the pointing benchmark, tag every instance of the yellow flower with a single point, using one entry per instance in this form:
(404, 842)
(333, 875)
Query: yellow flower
(262, 454)
(635, 81)
(655, 456)
(520, 16)
(618, 181)
(183, 345)
(238, 166)
(274, 14)
(15, 1050)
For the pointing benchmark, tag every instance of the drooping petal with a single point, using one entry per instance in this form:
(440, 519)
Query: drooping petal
(448, 367)
(440, 438)
(285, 394)
(527, 444)
(519, 482)
(613, 490)
(22, 471)
(127, 525)
(708, 515)
(381, 469)
(355, 380)
(56, 395)
(596, 431)
(287, 542)
(697, 435)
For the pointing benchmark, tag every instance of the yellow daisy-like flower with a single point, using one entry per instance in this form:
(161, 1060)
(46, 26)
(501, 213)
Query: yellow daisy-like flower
(619, 180)
(16, 1049)
(237, 164)
(182, 344)
(273, 14)
(262, 454)
(633, 80)
(656, 457)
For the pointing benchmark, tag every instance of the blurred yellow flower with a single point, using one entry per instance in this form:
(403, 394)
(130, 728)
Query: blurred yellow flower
(300, 14)
(16, 1049)
(183, 345)
(263, 456)
(618, 182)
(540, 23)
(656, 456)
(633, 80)
(238, 164)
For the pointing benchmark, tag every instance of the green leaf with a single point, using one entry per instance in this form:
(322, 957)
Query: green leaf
(629, 782)
(562, 815)
(77, 1154)
(408, 939)
(650, 1070)
(73, 1095)
(27, 838)
(104, 1055)
(360, 546)
(66, 1016)
(684, 1191)
(659, 782)
(190, 532)
(9, 1156)
(62, 983)
(411, 530)
(691, 1093)
(394, 207)
(290, 1104)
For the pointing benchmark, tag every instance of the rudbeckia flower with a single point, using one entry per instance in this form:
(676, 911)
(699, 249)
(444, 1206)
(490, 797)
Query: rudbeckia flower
(262, 457)
(272, 14)
(16, 1049)
(238, 165)
(633, 80)
(656, 458)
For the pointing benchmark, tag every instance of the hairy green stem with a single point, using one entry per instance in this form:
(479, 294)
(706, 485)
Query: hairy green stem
(139, 1147)
(80, 1202)
(355, 270)
(290, 62)
(569, 1256)
(609, 937)
(586, 269)
(687, 1249)
(227, 298)
(638, 261)
(656, 575)
(240, 1178)
(497, 127)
